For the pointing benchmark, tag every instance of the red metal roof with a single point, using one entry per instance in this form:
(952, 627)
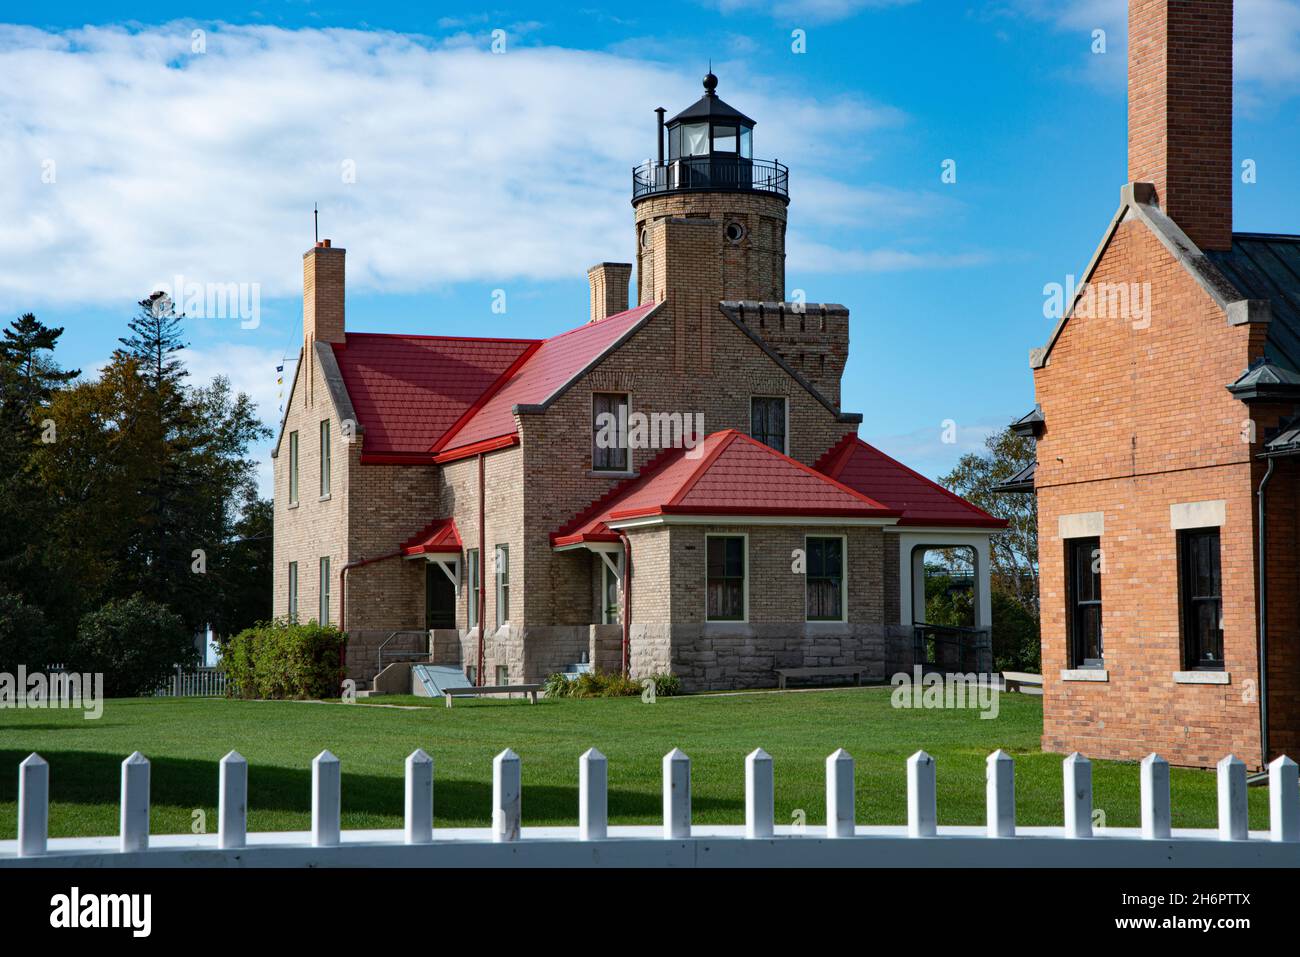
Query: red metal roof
(729, 473)
(551, 365)
(439, 537)
(921, 501)
(409, 392)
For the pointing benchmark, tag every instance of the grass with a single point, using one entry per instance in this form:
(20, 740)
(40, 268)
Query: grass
(184, 738)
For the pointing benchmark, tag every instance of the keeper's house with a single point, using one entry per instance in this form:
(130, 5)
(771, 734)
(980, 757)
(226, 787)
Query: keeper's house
(672, 487)
(1167, 478)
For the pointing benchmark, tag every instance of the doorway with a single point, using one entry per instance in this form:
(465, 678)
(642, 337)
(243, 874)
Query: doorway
(439, 598)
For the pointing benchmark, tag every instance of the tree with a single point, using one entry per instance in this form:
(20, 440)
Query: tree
(1013, 553)
(154, 341)
(30, 373)
(135, 644)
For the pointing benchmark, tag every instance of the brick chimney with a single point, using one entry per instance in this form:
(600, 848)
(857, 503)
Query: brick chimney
(322, 304)
(1180, 112)
(609, 284)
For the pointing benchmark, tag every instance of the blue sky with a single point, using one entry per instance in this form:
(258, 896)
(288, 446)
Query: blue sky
(135, 150)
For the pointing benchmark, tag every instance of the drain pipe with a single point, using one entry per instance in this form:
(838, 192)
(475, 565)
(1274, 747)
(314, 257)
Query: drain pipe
(343, 601)
(627, 600)
(1263, 615)
(482, 566)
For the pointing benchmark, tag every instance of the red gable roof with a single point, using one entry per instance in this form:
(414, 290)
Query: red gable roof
(921, 501)
(439, 537)
(729, 473)
(550, 366)
(410, 391)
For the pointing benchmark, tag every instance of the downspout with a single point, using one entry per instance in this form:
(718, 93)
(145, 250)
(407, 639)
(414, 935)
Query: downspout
(482, 565)
(627, 600)
(343, 601)
(1263, 616)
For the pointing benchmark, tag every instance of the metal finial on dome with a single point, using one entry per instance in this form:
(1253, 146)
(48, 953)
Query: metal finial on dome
(710, 83)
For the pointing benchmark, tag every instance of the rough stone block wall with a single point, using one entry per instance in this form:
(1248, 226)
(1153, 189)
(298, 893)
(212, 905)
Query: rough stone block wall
(1137, 419)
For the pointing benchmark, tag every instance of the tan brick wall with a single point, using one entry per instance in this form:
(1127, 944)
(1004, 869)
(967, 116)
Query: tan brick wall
(1138, 419)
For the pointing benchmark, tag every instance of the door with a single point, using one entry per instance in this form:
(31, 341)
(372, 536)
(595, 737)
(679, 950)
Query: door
(439, 598)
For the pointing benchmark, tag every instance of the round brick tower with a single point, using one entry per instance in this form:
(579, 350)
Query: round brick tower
(710, 219)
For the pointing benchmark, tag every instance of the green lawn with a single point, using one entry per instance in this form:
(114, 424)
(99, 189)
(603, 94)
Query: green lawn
(184, 738)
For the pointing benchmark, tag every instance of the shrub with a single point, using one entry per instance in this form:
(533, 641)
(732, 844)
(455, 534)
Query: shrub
(282, 659)
(24, 636)
(135, 643)
(1015, 635)
(666, 685)
(599, 684)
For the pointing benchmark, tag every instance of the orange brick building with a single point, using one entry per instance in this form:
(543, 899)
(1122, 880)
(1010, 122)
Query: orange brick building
(672, 487)
(1167, 490)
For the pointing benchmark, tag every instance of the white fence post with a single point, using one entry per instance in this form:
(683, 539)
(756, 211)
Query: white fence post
(507, 805)
(1000, 794)
(1078, 796)
(1283, 800)
(760, 798)
(325, 799)
(1233, 815)
(841, 816)
(135, 803)
(419, 797)
(677, 794)
(593, 796)
(232, 802)
(922, 800)
(34, 806)
(1157, 818)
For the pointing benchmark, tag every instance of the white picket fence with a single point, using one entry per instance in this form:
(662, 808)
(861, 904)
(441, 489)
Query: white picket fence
(678, 843)
(196, 683)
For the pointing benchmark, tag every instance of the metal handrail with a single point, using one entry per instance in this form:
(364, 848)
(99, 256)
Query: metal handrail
(712, 172)
(428, 650)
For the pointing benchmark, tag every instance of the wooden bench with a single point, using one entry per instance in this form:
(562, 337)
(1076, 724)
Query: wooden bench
(783, 673)
(1019, 680)
(530, 690)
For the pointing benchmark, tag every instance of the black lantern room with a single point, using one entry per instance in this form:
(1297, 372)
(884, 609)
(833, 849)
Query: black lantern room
(710, 146)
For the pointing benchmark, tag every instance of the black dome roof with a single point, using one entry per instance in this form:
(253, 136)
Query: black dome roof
(710, 108)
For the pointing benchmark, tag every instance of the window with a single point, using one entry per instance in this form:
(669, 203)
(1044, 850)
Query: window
(293, 468)
(724, 139)
(503, 674)
(1083, 560)
(747, 141)
(503, 585)
(325, 458)
(725, 584)
(1202, 610)
(824, 578)
(324, 618)
(608, 595)
(471, 560)
(767, 420)
(471, 674)
(695, 139)
(609, 432)
(293, 591)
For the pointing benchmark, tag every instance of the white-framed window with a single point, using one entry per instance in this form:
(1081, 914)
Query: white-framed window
(609, 413)
(292, 610)
(769, 420)
(324, 617)
(324, 458)
(726, 577)
(825, 576)
(503, 585)
(503, 674)
(293, 468)
(472, 564)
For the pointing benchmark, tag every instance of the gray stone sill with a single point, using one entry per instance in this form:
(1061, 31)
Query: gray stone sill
(594, 473)
(1085, 674)
(1202, 678)
(324, 498)
(292, 505)
(728, 629)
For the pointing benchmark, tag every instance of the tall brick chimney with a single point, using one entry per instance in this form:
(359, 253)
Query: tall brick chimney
(322, 304)
(1180, 112)
(322, 293)
(609, 284)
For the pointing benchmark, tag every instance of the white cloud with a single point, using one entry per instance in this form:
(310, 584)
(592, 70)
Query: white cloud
(815, 11)
(469, 165)
(812, 257)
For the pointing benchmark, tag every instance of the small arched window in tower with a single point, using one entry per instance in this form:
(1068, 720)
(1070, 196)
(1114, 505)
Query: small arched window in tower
(735, 232)
(645, 237)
